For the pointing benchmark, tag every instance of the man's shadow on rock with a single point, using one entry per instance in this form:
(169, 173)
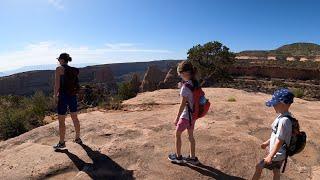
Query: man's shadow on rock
(211, 172)
(102, 167)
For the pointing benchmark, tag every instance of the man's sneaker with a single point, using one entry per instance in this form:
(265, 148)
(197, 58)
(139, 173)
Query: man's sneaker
(176, 159)
(78, 141)
(60, 145)
(193, 161)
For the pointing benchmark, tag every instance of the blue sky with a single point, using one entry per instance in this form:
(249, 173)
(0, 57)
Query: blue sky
(109, 31)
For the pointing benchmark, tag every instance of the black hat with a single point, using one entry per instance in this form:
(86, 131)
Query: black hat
(64, 56)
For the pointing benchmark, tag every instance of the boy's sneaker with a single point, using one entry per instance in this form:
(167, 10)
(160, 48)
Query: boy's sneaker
(175, 159)
(193, 161)
(78, 141)
(60, 145)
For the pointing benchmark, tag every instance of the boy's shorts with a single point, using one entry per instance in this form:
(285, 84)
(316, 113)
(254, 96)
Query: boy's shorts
(184, 124)
(272, 166)
(65, 101)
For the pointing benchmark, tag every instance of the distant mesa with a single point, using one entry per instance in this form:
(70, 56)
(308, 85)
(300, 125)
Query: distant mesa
(28, 83)
(290, 52)
(41, 67)
(107, 75)
(2, 74)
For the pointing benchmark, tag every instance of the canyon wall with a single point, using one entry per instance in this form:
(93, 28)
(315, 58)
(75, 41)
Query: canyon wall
(28, 83)
(276, 72)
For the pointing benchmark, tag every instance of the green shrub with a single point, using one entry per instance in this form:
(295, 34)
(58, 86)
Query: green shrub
(279, 84)
(213, 60)
(12, 124)
(232, 99)
(102, 104)
(126, 91)
(21, 114)
(115, 103)
(298, 93)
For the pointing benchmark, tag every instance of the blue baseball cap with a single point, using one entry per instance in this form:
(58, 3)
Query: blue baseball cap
(281, 95)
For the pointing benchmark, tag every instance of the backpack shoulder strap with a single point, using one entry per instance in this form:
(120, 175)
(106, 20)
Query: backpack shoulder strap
(189, 86)
(292, 119)
(65, 66)
(287, 116)
(285, 164)
(294, 122)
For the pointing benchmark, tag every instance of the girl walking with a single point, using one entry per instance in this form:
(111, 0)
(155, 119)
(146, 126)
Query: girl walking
(184, 120)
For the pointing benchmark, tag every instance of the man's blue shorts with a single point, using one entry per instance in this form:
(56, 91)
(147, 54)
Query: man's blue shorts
(66, 101)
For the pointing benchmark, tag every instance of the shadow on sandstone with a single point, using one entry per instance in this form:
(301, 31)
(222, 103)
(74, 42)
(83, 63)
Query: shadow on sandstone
(102, 167)
(211, 172)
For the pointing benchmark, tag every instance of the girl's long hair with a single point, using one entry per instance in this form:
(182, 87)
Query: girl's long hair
(186, 66)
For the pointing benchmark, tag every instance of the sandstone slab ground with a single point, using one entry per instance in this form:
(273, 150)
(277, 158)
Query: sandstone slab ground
(134, 143)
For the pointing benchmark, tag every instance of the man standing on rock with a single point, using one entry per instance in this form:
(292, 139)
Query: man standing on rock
(66, 88)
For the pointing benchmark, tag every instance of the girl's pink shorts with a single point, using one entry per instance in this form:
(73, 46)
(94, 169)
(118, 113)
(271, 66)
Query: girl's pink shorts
(184, 124)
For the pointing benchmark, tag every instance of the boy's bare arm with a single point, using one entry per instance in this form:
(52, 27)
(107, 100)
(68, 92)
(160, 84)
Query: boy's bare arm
(274, 151)
(265, 144)
(182, 106)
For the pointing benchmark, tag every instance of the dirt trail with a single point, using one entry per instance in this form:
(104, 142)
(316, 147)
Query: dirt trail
(135, 143)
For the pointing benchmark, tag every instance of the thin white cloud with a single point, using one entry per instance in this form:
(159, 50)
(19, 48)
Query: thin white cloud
(119, 45)
(46, 52)
(57, 3)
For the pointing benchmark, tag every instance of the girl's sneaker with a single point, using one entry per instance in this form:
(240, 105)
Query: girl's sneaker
(60, 145)
(193, 161)
(175, 159)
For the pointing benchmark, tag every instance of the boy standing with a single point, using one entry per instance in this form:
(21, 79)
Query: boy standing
(280, 136)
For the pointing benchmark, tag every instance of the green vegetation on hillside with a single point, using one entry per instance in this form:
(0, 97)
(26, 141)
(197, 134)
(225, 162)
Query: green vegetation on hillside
(299, 49)
(20, 114)
(290, 50)
(298, 93)
(130, 89)
(288, 64)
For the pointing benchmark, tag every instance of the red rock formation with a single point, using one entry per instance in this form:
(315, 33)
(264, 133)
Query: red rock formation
(171, 80)
(151, 79)
(27, 83)
(98, 74)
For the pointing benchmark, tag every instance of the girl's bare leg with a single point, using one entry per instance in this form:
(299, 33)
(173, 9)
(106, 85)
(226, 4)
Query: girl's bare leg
(178, 142)
(192, 143)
